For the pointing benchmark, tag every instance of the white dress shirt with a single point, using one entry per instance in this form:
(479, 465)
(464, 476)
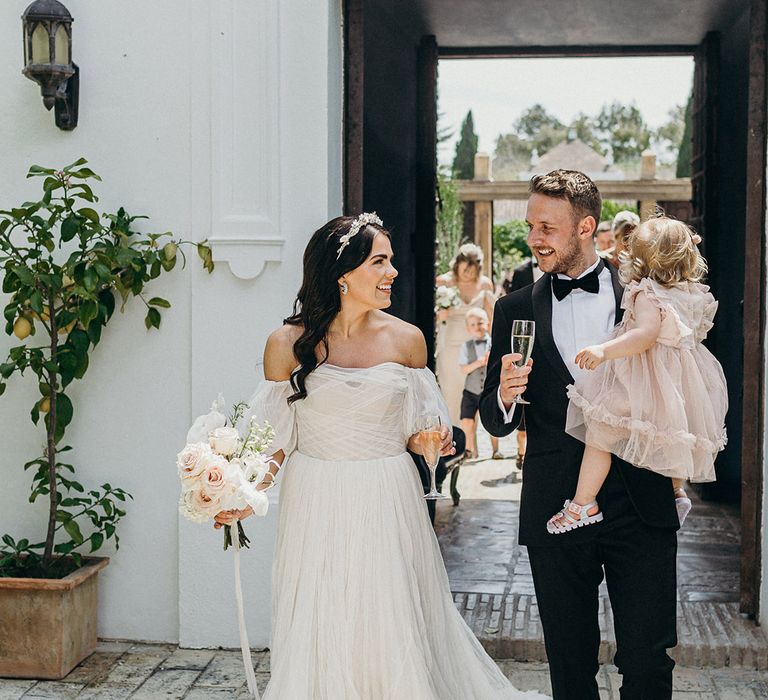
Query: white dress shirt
(578, 320)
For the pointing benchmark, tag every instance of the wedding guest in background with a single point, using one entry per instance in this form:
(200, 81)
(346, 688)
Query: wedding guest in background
(473, 357)
(623, 224)
(604, 237)
(475, 291)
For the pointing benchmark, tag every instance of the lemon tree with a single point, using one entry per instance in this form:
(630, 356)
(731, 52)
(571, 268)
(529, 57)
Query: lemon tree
(64, 269)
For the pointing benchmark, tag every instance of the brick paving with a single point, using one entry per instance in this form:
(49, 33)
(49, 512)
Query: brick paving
(120, 670)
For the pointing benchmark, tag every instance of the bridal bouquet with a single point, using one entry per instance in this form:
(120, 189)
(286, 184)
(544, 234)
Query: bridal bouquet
(219, 467)
(446, 297)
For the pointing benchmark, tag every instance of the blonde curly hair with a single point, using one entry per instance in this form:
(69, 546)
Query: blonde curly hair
(664, 250)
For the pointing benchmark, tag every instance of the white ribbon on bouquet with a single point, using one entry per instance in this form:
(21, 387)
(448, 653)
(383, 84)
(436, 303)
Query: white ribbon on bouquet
(244, 645)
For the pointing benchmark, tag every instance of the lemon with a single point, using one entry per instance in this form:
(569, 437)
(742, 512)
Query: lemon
(22, 328)
(45, 405)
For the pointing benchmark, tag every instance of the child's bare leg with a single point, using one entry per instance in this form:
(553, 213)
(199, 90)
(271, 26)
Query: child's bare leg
(468, 426)
(595, 465)
(495, 444)
(522, 438)
(678, 485)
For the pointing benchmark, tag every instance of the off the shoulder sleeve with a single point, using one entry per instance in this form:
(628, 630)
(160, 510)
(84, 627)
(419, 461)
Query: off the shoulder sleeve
(423, 400)
(270, 403)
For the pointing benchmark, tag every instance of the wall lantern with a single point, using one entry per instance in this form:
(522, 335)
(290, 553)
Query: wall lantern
(48, 58)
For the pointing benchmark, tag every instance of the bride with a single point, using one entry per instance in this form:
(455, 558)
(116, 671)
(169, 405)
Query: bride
(361, 604)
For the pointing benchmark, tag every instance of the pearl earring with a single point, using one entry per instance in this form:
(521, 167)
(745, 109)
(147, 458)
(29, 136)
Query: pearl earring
(344, 287)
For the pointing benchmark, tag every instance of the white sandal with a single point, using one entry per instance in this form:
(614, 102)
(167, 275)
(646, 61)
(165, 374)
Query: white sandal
(571, 509)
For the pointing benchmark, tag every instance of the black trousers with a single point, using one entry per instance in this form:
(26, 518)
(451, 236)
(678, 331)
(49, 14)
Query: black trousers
(639, 566)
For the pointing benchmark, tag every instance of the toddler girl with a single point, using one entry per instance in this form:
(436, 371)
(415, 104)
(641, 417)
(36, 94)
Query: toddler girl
(661, 403)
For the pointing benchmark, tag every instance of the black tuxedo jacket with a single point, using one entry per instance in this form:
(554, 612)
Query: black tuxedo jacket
(552, 457)
(522, 276)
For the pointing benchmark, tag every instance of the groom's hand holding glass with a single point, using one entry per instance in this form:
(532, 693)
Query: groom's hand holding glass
(513, 380)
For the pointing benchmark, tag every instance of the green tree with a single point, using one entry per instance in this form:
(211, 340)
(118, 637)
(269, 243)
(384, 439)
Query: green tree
(510, 246)
(686, 142)
(539, 128)
(511, 156)
(583, 127)
(466, 148)
(669, 135)
(622, 129)
(611, 208)
(449, 222)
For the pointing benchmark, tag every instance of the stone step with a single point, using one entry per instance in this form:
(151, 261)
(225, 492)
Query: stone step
(710, 634)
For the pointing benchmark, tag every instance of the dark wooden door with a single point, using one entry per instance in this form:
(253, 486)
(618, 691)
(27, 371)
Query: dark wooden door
(354, 75)
(704, 151)
(426, 191)
(753, 434)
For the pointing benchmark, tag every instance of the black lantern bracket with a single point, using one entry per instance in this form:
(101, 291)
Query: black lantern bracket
(47, 28)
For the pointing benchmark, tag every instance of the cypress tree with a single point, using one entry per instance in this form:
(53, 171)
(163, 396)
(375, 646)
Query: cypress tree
(686, 143)
(466, 148)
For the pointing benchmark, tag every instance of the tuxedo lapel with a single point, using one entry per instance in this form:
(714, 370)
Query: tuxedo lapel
(618, 291)
(541, 298)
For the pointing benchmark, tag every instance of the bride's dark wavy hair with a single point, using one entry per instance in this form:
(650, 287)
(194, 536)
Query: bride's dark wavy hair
(319, 298)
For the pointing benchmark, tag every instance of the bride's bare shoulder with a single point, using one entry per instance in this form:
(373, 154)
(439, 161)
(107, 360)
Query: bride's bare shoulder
(279, 360)
(411, 346)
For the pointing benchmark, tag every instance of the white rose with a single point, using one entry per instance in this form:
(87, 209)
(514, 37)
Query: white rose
(224, 440)
(204, 425)
(191, 460)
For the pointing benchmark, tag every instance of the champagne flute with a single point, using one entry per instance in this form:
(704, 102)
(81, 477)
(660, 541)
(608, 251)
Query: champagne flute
(523, 333)
(430, 437)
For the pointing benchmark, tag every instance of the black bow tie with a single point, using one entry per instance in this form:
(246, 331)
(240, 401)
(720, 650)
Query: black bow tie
(589, 283)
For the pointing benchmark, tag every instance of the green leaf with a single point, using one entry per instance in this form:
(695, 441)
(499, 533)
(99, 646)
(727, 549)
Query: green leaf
(89, 214)
(97, 539)
(80, 161)
(2, 388)
(73, 530)
(90, 279)
(84, 173)
(64, 410)
(152, 319)
(69, 228)
(7, 369)
(36, 301)
(157, 301)
(36, 170)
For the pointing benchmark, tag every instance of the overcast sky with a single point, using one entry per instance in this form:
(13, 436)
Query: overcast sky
(498, 90)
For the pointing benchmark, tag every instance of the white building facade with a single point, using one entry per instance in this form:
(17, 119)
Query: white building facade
(220, 120)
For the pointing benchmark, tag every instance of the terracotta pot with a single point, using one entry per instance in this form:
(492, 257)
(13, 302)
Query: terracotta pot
(48, 626)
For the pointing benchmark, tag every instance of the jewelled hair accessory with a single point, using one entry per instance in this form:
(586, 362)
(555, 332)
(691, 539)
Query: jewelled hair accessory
(360, 222)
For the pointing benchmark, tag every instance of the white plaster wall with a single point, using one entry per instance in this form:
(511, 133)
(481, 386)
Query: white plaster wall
(145, 125)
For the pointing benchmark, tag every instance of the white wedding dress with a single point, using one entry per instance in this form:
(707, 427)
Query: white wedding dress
(361, 604)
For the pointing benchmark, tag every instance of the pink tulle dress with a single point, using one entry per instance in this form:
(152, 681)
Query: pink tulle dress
(663, 409)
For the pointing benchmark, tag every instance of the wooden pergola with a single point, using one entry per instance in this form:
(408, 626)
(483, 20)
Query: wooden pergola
(483, 190)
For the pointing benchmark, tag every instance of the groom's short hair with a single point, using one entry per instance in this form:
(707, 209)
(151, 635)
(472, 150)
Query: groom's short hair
(574, 187)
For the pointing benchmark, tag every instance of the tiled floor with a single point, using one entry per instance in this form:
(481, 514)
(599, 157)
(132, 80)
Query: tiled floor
(491, 578)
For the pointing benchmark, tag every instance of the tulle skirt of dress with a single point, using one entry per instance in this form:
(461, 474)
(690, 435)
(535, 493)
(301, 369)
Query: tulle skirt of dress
(362, 609)
(663, 409)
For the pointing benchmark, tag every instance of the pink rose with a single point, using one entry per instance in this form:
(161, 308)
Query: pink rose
(191, 461)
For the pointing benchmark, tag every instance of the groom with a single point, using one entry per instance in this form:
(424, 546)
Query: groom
(575, 304)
